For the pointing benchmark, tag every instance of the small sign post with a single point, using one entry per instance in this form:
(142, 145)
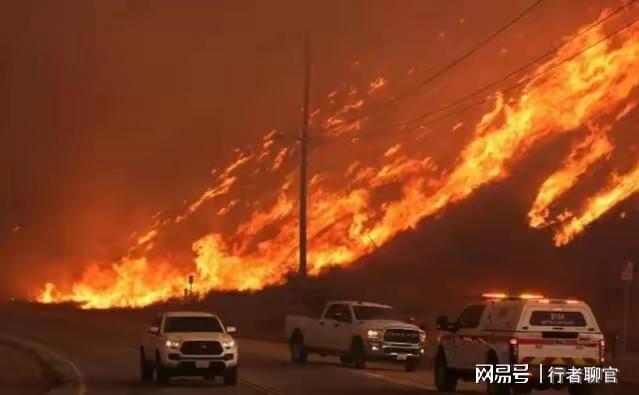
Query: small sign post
(191, 280)
(627, 275)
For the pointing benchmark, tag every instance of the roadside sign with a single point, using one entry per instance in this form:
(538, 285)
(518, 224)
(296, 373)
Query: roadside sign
(628, 271)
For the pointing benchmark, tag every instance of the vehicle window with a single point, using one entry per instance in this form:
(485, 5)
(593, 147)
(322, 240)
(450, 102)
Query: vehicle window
(192, 324)
(338, 312)
(469, 318)
(557, 318)
(331, 312)
(344, 314)
(364, 313)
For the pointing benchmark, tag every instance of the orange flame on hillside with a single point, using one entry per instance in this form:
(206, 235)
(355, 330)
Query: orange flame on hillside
(350, 217)
(618, 189)
(581, 158)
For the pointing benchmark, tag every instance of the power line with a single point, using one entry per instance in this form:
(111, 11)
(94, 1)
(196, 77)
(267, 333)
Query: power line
(524, 67)
(529, 65)
(511, 87)
(522, 82)
(446, 68)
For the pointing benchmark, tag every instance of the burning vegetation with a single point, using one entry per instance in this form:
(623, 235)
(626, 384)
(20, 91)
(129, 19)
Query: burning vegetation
(583, 92)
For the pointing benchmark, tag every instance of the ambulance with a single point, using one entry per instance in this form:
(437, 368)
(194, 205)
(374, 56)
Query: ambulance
(527, 329)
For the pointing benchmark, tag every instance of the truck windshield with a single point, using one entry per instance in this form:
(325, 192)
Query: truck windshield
(192, 324)
(364, 313)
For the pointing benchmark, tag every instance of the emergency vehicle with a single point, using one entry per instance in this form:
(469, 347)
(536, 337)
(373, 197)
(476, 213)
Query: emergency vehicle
(525, 329)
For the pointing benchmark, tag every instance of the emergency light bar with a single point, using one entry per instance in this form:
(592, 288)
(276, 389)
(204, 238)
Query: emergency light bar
(559, 301)
(500, 295)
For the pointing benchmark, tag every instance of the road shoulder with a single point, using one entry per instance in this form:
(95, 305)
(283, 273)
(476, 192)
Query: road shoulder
(37, 370)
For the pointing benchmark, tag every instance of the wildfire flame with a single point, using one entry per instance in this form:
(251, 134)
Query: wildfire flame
(349, 217)
(585, 154)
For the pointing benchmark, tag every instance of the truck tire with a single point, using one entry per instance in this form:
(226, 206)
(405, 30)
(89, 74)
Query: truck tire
(358, 354)
(146, 367)
(162, 376)
(299, 354)
(495, 388)
(445, 380)
(411, 364)
(230, 376)
(581, 389)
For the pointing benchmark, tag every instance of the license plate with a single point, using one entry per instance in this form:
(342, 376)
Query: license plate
(202, 364)
(402, 357)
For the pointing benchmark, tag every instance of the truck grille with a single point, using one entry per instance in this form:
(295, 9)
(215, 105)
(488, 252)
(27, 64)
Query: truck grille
(201, 348)
(401, 336)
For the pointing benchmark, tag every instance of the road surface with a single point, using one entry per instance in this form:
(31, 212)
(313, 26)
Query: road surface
(21, 373)
(102, 347)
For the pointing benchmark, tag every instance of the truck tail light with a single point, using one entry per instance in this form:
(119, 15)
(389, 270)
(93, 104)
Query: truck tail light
(602, 351)
(513, 348)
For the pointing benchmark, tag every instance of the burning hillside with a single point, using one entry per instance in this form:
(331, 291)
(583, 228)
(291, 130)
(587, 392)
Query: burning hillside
(584, 91)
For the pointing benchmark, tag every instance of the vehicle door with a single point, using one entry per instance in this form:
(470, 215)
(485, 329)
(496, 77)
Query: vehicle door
(336, 327)
(469, 338)
(151, 339)
(323, 333)
(339, 328)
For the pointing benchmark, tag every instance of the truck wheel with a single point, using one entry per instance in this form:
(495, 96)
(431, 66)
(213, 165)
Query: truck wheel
(146, 367)
(445, 380)
(230, 376)
(358, 354)
(162, 376)
(299, 354)
(581, 389)
(411, 364)
(496, 388)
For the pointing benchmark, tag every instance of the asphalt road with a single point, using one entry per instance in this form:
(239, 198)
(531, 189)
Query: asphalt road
(104, 351)
(21, 372)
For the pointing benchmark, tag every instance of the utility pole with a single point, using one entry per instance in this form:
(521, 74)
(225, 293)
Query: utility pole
(191, 280)
(304, 158)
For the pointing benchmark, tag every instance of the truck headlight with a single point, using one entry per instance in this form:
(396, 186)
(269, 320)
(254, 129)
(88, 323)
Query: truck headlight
(374, 334)
(172, 344)
(422, 337)
(228, 344)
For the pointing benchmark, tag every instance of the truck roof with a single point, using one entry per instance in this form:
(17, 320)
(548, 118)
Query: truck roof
(360, 303)
(189, 314)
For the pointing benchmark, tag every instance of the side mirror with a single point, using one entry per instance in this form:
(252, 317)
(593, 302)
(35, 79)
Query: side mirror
(154, 330)
(442, 323)
(231, 329)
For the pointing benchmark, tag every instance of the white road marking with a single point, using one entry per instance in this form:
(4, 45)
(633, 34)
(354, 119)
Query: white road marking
(82, 386)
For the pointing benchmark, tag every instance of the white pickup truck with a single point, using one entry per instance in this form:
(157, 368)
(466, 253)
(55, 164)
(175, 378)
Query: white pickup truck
(188, 344)
(356, 332)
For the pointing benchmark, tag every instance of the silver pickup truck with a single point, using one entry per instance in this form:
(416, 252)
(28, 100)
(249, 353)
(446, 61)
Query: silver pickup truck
(355, 332)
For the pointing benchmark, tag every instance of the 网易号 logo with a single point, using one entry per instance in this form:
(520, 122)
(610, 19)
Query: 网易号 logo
(544, 374)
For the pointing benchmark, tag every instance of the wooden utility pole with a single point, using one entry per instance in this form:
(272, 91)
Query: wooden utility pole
(304, 158)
